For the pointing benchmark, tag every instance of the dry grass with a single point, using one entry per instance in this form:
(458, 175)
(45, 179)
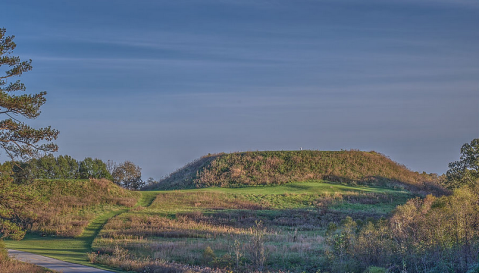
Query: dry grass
(120, 258)
(13, 266)
(66, 207)
(184, 226)
(201, 200)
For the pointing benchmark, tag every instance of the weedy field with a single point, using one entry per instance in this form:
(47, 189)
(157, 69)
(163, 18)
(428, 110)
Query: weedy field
(275, 228)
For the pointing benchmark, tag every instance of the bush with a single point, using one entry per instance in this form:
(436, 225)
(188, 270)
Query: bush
(209, 256)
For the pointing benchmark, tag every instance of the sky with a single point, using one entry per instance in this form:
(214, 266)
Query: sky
(162, 83)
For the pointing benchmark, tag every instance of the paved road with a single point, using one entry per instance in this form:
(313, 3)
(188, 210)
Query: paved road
(53, 264)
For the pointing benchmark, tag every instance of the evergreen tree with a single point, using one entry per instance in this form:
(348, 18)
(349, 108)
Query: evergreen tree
(18, 139)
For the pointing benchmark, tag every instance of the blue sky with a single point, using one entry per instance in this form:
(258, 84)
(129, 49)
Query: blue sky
(161, 83)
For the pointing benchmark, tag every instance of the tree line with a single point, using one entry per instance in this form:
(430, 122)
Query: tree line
(126, 174)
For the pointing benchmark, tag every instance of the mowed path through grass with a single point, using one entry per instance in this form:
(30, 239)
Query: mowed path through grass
(296, 195)
(308, 187)
(73, 250)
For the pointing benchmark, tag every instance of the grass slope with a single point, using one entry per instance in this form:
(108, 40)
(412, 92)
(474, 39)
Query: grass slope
(65, 207)
(73, 250)
(280, 167)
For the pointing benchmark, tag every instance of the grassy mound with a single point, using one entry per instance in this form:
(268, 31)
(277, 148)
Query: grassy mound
(183, 178)
(280, 167)
(65, 207)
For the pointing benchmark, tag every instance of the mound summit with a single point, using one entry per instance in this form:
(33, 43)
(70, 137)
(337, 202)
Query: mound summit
(280, 167)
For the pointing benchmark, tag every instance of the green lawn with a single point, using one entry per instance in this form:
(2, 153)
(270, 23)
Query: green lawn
(309, 187)
(291, 195)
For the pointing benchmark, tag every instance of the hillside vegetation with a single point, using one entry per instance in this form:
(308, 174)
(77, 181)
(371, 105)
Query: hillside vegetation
(280, 167)
(73, 203)
(58, 207)
(433, 234)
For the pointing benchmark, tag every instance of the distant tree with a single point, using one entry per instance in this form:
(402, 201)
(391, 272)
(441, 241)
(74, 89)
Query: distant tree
(18, 139)
(466, 170)
(68, 167)
(150, 181)
(93, 168)
(63, 167)
(128, 175)
(46, 167)
(111, 165)
(87, 168)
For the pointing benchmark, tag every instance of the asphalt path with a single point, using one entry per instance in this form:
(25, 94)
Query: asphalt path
(53, 264)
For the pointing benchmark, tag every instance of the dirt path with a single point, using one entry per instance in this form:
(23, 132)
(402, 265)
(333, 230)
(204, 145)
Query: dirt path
(52, 264)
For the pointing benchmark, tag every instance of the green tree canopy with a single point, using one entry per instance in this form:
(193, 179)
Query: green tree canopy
(94, 168)
(128, 175)
(466, 170)
(61, 167)
(18, 139)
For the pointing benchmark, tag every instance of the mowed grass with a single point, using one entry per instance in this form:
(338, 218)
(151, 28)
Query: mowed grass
(288, 196)
(309, 187)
